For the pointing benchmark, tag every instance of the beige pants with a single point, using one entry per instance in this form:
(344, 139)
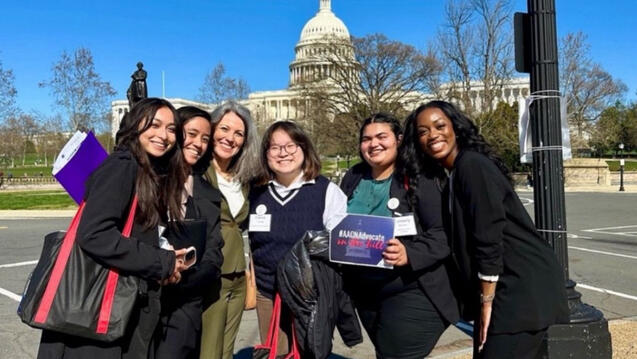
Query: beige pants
(220, 321)
(264, 312)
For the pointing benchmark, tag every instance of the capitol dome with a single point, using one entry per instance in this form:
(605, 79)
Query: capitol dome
(318, 37)
(324, 23)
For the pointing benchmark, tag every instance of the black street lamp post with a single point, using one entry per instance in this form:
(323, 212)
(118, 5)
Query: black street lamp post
(586, 336)
(621, 167)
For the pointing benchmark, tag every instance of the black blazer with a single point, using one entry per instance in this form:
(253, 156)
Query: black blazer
(428, 251)
(109, 193)
(207, 202)
(490, 232)
(182, 304)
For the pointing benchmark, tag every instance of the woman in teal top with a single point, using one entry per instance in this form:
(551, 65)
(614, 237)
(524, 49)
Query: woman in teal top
(405, 309)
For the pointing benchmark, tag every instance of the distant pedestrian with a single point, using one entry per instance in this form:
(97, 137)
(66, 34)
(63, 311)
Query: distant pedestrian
(510, 282)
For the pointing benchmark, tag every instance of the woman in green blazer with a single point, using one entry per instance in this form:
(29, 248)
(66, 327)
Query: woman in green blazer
(235, 150)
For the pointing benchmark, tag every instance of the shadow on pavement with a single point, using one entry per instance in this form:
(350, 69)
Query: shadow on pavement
(246, 353)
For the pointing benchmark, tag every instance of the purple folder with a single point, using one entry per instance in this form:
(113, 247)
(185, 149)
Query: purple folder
(82, 162)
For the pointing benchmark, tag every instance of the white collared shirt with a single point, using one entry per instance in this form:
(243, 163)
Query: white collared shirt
(335, 199)
(232, 192)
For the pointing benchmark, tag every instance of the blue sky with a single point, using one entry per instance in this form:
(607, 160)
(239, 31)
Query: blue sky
(254, 39)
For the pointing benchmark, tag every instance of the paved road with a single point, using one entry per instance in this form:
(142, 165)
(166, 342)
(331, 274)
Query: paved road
(602, 231)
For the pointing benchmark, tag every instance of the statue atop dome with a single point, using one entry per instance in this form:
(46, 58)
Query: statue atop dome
(325, 5)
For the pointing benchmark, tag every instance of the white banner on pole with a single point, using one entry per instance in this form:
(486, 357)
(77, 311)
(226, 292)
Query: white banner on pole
(524, 129)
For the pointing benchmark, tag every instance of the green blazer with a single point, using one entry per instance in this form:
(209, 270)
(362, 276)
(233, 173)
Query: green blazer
(231, 228)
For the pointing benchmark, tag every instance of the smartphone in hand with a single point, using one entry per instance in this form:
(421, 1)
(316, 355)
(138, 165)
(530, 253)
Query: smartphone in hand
(190, 257)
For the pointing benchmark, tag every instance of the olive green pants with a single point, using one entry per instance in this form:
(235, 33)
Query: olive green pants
(220, 321)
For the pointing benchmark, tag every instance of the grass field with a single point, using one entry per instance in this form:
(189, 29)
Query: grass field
(36, 199)
(31, 171)
(630, 165)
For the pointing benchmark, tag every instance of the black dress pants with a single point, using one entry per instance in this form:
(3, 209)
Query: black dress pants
(523, 345)
(402, 325)
(178, 335)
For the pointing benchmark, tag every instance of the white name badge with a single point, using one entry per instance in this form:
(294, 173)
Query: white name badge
(405, 226)
(260, 223)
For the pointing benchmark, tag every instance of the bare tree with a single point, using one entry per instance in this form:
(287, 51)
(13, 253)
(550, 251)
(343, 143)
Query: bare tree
(51, 137)
(79, 90)
(373, 74)
(27, 128)
(588, 87)
(455, 43)
(475, 47)
(11, 142)
(217, 87)
(494, 50)
(8, 93)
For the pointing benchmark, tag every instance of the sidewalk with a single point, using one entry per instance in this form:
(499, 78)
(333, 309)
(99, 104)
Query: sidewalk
(452, 345)
(632, 188)
(36, 213)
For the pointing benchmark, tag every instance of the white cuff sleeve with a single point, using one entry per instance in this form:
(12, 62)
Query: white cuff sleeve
(488, 278)
(335, 206)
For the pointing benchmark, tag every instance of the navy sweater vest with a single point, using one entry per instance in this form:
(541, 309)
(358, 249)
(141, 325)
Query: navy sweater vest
(301, 210)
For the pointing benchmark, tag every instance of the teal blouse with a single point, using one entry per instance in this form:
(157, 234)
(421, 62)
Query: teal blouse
(371, 197)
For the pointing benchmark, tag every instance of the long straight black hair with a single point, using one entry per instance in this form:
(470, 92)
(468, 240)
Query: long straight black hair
(160, 181)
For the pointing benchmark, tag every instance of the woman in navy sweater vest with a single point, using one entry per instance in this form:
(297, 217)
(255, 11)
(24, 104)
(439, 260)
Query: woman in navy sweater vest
(297, 199)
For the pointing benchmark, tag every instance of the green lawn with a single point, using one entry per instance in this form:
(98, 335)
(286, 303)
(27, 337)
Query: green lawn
(46, 199)
(31, 171)
(630, 165)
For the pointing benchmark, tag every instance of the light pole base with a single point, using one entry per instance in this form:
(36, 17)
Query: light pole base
(586, 336)
(582, 340)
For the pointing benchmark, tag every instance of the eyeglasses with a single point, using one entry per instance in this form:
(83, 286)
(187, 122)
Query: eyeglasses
(290, 149)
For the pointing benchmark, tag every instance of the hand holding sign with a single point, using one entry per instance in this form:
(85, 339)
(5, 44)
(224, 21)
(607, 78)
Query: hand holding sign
(395, 254)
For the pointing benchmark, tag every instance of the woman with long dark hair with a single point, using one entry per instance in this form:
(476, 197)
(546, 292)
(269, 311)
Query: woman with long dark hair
(179, 332)
(147, 163)
(509, 280)
(232, 163)
(405, 309)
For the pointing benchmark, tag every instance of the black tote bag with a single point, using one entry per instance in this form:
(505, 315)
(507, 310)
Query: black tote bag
(70, 293)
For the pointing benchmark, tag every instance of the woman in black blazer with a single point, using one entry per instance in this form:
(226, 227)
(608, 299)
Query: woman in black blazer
(509, 280)
(179, 332)
(404, 310)
(146, 162)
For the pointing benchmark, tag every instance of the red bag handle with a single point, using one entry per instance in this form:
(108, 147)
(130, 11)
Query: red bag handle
(294, 353)
(111, 280)
(58, 268)
(272, 340)
(273, 333)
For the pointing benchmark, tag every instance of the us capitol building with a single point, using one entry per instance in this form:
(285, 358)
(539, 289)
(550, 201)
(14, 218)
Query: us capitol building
(270, 106)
